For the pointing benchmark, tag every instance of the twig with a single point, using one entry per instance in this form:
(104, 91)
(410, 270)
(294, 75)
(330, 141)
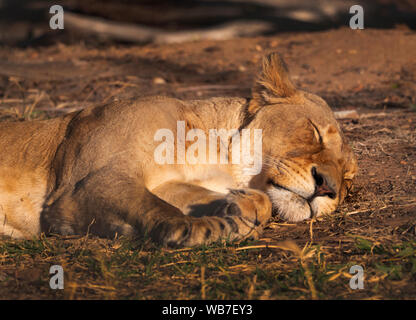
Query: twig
(311, 229)
(261, 246)
(251, 288)
(411, 203)
(346, 114)
(140, 33)
(203, 285)
(173, 263)
(308, 274)
(208, 87)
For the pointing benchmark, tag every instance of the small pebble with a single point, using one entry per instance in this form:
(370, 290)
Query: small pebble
(159, 80)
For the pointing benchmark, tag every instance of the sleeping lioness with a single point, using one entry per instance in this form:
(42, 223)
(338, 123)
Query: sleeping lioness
(95, 171)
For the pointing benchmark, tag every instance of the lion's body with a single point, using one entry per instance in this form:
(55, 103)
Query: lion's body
(95, 170)
(27, 150)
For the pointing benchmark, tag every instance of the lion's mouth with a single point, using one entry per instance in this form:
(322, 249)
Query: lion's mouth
(278, 186)
(320, 191)
(294, 206)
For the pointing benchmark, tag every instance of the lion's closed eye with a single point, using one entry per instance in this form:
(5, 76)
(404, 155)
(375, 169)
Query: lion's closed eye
(316, 132)
(306, 139)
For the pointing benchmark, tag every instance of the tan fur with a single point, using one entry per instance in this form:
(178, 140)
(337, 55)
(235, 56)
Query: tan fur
(94, 170)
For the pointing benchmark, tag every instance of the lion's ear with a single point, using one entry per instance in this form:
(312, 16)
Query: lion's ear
(273, 83)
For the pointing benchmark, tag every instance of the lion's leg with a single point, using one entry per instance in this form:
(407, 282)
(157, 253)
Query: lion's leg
(251, 208)
(187, 197)
(108, 203)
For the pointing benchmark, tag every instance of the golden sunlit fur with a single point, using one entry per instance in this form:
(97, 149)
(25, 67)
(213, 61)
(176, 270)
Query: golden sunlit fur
(94, 170)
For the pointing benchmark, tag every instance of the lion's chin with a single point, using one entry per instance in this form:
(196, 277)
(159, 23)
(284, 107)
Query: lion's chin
(289, 205)
(323, 205)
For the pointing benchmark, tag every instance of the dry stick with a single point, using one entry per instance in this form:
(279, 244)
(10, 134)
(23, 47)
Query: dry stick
(308, 276)
(373, 115)
(140, 33)
(346, 114)
(411, 203)
(28, 111)
(11, 100)
(352, 114)
(311, 229)
(251, 288)
(178, 250)
(177, 262)
(309, 279)
(73, 286)
(260, 246)
(208, 87)
(203, 294)
(382, 149)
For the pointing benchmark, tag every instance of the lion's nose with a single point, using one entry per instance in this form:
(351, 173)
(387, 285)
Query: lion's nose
(321, 186)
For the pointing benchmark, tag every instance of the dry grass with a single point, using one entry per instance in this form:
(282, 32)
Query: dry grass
(127, 269)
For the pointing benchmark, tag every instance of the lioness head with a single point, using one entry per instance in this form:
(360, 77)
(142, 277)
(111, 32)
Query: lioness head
(308, 165)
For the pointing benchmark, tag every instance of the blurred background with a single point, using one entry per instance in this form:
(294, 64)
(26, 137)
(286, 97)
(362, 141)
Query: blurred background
(26, 22)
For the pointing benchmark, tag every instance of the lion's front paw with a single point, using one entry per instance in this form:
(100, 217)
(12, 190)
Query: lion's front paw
(252, 205)
(240, 215)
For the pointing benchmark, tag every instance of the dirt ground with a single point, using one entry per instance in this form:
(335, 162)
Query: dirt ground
(371, 71)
